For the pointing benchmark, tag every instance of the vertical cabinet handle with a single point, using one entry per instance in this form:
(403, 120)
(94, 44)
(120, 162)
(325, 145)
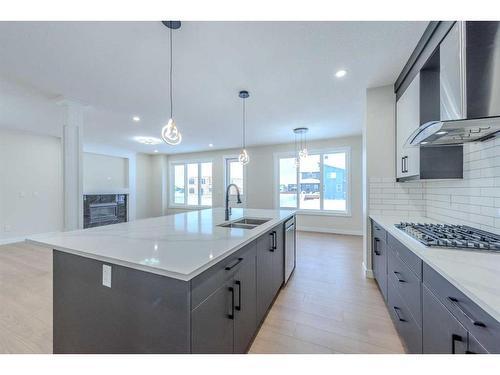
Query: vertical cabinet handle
(275, 240)
(455, 303)
(231, 315)
(396, 310)
(237, 282)
(376, 250)
(454, 339)
(272, 241)
(403, 164)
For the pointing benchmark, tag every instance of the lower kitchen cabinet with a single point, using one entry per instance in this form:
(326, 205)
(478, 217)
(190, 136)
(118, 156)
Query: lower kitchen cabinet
(211, 324)
(231, 300)
(226, 321)
(442, 332)
(270, 269)
(379, 258)
(430, 314)
(245, 306)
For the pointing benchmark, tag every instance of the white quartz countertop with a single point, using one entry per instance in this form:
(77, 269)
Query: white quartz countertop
(475, 273)
(179, 246)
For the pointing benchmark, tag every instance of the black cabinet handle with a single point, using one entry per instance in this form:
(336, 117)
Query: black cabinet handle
(272, 241)
(237, 282)
(231, 315)
(376, 250)
(275, 240)
(396, 310)
(454, 339)
(455, 303)
(228, 268)
(397, 277)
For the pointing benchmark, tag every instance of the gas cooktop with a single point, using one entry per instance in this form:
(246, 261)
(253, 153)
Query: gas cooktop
(452, 236)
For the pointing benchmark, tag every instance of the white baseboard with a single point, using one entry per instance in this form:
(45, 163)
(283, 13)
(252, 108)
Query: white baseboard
(6, 241)
(368, 273)
(349, 232)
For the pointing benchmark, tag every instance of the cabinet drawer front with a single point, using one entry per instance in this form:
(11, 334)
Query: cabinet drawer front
(413, 262)
(379, 232)
(408, 329)
(209, 281)
(480, 324)
(407, 284)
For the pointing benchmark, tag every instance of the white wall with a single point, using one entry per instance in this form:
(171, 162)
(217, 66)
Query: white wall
(261, 189)
(104, 173)
(378, 151)
(144, 190)
(30, 184)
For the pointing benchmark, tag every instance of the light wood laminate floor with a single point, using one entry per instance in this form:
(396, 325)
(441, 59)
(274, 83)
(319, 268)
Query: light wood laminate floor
(327, 306)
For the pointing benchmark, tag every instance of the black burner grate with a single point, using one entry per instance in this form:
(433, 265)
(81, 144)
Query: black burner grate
(456, 236)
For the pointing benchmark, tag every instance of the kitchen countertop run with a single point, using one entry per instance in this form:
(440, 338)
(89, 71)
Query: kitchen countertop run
(475, 273)
(180, 246)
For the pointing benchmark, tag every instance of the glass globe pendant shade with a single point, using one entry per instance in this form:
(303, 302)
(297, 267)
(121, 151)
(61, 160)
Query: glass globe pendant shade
(243, 157)
(303, 153)
(170, 134)
(297, 162)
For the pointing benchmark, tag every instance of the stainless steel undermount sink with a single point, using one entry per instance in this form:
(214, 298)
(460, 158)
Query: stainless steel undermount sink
(244, 223)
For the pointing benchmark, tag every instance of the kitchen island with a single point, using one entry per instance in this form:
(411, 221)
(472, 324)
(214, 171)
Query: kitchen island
(173, 284)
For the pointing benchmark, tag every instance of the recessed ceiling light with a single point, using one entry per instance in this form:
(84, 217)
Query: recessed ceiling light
(136, 118)
(441, 132)
(156, 150)
(340, 73)
(424, 143)
(148, 140)
(210, 145)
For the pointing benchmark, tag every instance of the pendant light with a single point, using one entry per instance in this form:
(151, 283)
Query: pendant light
(301, 151)
(169, 133)
(243, 157)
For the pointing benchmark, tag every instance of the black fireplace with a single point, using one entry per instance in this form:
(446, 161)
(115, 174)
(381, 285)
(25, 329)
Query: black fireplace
(104, 209)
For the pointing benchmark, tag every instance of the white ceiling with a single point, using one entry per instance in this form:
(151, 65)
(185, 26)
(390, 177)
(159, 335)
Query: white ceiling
(120, 69)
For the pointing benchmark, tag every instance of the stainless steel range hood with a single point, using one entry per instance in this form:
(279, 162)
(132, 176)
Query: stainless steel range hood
(453, 132)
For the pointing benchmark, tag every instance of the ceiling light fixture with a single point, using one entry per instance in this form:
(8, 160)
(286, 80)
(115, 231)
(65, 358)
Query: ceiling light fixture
(243, 158)
(136, 119)
(210, 145)
(170, 134)
(156, 151)
(301, 151)
(148, 140)
(442, 132)
(340, 73)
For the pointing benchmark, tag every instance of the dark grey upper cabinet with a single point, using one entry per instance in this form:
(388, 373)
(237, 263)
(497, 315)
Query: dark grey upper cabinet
(442, 333)
(212, 324)
(245, 320)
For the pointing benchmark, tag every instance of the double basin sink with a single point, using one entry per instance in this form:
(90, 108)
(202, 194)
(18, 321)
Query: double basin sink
(244, 223)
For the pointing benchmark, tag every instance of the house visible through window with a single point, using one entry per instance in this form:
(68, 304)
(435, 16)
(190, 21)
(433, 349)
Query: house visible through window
(191, 184)
(320, 182)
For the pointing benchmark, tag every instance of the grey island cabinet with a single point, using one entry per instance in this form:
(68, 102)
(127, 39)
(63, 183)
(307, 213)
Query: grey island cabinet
(101, 306)
(431, 315)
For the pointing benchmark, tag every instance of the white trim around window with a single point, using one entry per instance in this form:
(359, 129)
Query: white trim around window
(291, 154)
(171, 183)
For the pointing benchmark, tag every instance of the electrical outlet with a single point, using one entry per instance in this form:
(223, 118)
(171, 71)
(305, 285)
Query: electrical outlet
(106, 275)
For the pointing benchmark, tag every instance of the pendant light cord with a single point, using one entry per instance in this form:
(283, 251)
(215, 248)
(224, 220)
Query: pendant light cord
(244, 123)
(171, 68)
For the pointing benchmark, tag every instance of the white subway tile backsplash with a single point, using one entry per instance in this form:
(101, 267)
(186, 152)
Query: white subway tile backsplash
(473, 201)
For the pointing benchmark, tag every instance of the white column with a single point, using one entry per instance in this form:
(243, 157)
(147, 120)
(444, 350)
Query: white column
(73, 164)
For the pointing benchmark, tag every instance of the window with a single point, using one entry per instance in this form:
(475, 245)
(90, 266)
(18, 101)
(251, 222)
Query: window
(192, 184)
(235, 174)
(320, 182)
